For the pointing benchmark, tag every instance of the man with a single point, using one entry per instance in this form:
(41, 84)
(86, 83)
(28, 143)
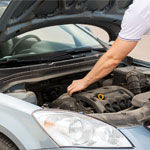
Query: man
(135, 24)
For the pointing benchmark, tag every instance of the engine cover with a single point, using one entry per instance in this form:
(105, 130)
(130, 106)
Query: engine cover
(100, 100)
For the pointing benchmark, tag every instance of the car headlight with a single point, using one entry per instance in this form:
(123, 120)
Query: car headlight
(74, 129)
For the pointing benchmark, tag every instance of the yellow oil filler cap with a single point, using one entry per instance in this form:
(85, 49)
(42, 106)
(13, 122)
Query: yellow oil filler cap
(101, 97)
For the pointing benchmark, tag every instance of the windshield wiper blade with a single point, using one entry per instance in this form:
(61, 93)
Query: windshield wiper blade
(38, 58)
(50, 57)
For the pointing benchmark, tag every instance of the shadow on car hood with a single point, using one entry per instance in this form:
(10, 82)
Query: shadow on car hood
(26, 15)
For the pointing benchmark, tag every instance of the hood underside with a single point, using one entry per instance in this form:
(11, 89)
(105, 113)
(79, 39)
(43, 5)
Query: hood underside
(22, 16)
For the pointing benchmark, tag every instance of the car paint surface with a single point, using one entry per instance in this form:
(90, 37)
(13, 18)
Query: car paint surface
(18, 124)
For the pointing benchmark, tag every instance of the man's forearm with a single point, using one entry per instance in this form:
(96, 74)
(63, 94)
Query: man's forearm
(104, 66)
(109, 60)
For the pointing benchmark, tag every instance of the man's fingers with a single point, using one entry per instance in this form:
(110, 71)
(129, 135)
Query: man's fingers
(76, 86)
(72, 91)
(70, 87)
(69, 92)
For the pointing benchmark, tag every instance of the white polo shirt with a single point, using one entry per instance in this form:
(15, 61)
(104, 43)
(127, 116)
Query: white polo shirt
(136, 21)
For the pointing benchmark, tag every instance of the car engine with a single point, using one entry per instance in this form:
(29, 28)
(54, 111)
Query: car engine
(101, 100)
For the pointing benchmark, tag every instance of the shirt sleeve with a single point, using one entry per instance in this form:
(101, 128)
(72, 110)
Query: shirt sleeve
(133, 26)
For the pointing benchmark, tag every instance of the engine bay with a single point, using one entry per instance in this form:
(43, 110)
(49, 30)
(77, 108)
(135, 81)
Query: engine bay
(114, 94)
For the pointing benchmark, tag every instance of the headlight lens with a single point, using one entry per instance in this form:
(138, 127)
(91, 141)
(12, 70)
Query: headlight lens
(73, 129)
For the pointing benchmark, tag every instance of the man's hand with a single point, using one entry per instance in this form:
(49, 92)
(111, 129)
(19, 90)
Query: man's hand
(77, 85)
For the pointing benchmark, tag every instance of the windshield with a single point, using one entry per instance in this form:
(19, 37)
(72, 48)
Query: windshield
(49, 39)
(3, 6)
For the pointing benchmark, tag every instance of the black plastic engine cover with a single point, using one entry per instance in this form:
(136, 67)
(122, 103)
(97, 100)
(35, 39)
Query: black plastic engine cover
(101, 100)
(131, 78)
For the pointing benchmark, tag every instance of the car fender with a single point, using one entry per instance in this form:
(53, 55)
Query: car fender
(18, 124)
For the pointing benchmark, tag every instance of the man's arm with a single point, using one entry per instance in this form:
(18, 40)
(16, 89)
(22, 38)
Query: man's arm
(106, 64)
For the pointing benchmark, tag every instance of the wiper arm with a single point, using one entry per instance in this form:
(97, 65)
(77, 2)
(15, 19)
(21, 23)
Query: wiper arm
(85, 49)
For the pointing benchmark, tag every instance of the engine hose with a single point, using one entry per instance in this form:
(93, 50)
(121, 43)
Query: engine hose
(133, 82)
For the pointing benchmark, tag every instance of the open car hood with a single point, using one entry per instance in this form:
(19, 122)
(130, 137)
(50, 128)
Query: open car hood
(25, 15)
